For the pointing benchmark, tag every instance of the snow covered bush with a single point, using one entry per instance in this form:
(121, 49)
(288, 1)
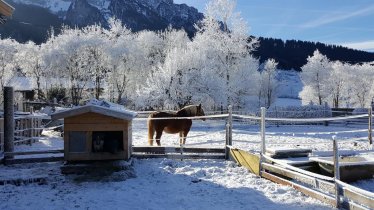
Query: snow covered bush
(300, 112)
(360, 111)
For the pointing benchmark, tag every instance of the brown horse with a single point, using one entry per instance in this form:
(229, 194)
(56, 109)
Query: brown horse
(181, 126)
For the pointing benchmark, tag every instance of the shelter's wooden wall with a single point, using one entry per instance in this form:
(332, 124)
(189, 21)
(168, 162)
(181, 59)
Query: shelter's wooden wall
(90, 122)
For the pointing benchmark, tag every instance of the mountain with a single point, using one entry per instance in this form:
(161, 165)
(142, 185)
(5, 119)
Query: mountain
(33, 18)
(135, 14)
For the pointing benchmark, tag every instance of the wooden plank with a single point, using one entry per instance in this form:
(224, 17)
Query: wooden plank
(247, 160)
(22, 181)
(33, 160)
(310, 192)
(358, 198)
(284, 153)
(319, 184)
(346, 204)
(93, 127)
(178, 156)
(177, 149)
(35, 152)
(6, 9)
(93, 118)
(96, 156)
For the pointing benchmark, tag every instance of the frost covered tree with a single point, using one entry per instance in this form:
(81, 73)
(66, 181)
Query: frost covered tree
(95, 56)
(8, 49)
(315, 74)
(68, 62)
(337, 82)
(269, 82)
(215, 68)
(121, 59)
(165, 83)
(33, 66)
(224, 50)
(360, 84)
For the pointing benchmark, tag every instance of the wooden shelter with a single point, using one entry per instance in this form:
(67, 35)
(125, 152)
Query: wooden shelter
(96, 133)
(5, 11)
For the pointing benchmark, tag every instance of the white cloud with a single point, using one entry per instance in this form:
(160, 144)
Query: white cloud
(364, 45)
(337, 17)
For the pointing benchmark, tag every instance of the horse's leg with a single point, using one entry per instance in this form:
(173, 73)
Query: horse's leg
(151, 132)
(158, 137)
(181, 137)
(150, 137)
(184, 134)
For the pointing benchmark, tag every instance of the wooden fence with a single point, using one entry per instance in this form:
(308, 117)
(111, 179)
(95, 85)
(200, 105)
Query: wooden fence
(330, 190)
(27, 130)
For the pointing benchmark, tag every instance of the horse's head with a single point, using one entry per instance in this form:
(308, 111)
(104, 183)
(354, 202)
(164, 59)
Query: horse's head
(200, 111)
(191, 111)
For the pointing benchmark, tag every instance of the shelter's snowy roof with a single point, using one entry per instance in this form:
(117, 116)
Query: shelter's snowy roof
(21, 83)
(116, 113)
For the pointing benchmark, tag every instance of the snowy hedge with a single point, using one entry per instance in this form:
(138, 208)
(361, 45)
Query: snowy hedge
(360, 111)
(309, 111)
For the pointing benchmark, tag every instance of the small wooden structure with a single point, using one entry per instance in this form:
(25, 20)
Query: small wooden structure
(96, 133)
(5, 11)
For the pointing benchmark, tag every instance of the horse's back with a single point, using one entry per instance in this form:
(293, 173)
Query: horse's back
(162, 114)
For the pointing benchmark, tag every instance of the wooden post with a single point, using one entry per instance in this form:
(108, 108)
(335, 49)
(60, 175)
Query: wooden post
(228, 133)
(263, 146)
(276, 115)
(370, 136)
(8, 121)
(230, 123)
(336, 172)
(227, 149)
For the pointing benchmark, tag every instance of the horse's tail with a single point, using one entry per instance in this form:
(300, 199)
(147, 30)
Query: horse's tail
(151, 130)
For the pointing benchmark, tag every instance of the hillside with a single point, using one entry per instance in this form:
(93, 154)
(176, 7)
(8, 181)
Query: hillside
(292, 54)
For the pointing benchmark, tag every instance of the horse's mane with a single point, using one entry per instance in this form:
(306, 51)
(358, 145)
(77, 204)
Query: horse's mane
(188, 111)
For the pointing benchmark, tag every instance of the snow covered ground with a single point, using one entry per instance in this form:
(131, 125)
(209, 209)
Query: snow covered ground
(175, 184)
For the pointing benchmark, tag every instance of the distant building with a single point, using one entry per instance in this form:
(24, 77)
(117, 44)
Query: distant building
(5, 11)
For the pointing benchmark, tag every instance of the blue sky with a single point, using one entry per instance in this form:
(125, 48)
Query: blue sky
(344, 22)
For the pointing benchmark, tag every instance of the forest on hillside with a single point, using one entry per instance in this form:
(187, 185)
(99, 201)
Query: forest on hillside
(292, 54)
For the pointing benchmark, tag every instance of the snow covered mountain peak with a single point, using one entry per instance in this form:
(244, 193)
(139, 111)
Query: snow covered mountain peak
(135, 14)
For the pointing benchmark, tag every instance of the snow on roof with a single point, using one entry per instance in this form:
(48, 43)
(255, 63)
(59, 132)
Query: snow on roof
(116, 113)
(21, 83)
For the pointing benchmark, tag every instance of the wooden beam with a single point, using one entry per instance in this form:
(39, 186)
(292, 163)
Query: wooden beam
(33, 160)
(35, 152)
(307, 191)
(316, 183)
(358, 198)
(21, 181)
(177, 149)
(6, 9)
(178, 156)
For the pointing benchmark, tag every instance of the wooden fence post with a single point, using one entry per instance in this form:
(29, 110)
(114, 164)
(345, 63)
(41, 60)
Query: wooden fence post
(263, 146)
(230, 123)
(8, 121)
(336, 172)
(370, 136)
(227, 149)
(228, 133)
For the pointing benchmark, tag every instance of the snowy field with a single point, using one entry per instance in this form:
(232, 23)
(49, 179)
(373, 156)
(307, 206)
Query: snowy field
(175, 184)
